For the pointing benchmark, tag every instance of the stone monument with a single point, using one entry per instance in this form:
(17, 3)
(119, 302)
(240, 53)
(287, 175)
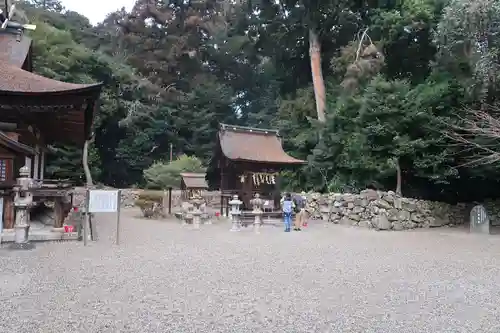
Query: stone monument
(235, 212)
(479, 220)
(23, 201)
(257, 204)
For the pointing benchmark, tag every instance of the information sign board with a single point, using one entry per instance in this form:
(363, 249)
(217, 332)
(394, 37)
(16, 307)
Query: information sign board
(103, 201)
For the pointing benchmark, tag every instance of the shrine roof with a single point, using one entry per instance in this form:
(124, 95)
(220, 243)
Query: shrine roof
(240, 143)
(15, 146)
(64, 111)
(14, 49)
(17, 81)
(194, 180)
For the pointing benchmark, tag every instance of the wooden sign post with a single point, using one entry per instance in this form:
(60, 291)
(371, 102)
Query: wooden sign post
(103, 201)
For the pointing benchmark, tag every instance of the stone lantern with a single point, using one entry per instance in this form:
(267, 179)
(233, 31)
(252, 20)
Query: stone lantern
(23, 201)
(257, 204)
(235, 204)
(196, 201)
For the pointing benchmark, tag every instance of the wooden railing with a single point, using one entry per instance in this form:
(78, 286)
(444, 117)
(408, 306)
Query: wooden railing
(53, 183)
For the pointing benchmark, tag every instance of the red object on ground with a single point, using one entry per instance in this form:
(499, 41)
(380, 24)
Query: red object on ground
(304, 224)
(217, 214)
(68, 228)
(75, 209)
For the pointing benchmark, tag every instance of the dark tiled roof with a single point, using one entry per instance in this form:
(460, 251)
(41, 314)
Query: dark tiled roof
(194, 180)
(253, 144)
(14, 51)
(15, 146)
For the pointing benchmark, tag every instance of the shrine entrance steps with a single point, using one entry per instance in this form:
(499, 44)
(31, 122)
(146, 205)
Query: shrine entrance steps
(41, 228)
(39, 232)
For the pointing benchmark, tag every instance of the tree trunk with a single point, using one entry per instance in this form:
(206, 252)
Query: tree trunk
(85, 161)
(317, 74)
(398, 178)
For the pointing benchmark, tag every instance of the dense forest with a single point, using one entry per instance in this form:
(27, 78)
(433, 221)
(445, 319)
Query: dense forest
(393, 94)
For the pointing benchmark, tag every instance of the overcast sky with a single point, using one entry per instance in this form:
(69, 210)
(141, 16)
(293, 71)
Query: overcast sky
(96, 10)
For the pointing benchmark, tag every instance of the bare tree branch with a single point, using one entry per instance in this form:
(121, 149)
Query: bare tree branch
(478, 133)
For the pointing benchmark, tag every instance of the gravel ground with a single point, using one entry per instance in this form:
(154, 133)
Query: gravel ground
(168, 278)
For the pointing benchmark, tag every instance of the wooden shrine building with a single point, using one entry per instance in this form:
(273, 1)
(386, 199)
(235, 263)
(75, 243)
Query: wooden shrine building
(192, 184)
(35, 112)
(248, 161)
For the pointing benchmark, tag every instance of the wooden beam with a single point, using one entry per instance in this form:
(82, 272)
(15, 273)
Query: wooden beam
(7, 126)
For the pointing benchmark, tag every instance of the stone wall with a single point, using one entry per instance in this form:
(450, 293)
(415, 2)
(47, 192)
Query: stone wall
(371, 209)
(384, 210)
(129, 197)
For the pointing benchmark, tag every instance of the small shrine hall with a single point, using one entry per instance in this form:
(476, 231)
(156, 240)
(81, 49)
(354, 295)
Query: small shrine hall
(248, 161)
(36, 112)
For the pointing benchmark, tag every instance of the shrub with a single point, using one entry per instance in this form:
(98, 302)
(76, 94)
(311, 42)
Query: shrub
(162, 175)
(150, 203)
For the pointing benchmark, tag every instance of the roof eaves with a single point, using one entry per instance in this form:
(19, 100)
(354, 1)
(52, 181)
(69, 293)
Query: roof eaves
(16, 146)
(292, 160)
(237, 128)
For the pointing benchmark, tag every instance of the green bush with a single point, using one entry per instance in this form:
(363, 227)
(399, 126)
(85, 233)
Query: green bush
(150, 203)
(153, 196)
(162, 175)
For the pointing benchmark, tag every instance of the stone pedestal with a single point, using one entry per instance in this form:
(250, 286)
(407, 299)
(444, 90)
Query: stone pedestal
(205, 217)
(187, 216)
(196, 218)
(23, 201)
(257, 222)
(235, 204)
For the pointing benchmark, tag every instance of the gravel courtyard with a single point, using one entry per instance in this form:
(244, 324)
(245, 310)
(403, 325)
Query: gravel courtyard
(167, 278)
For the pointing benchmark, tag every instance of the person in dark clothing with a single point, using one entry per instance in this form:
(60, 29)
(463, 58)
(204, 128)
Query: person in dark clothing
(301, 217)
(287, 205)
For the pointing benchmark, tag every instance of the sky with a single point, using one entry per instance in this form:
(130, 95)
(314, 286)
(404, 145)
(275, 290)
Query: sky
(96, 10)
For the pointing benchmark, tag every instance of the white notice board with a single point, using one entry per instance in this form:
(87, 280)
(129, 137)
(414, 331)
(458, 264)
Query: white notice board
(103, 201)
(1, 218)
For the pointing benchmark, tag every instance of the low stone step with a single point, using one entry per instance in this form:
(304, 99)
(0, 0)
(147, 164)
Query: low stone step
(39, 235)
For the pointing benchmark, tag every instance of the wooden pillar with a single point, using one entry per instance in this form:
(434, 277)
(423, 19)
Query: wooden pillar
(42, 164)
(222, 187)
(247, 190)
(277, 192)
(8, 199)
(8, 212)
(36, 166)
(58, 212)
(27, 162)
(170, 200)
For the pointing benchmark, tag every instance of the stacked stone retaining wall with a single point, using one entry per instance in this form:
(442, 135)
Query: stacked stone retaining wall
(370, 208)
(384, 210)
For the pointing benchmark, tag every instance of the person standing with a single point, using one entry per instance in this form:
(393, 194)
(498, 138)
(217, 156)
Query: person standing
(301, 217)
(304, 212)
(287, 206)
